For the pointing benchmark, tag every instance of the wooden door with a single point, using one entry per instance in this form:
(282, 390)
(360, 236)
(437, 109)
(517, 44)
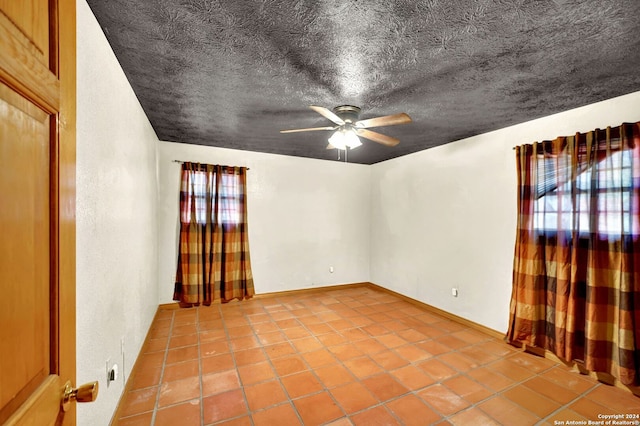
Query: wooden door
(37, 210)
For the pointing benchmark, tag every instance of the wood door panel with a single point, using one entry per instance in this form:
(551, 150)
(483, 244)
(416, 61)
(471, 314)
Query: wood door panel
(25, 137)
(20, 67)
(37, 210)
(31, 18)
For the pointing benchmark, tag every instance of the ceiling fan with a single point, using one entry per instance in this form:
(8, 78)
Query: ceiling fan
(348, 127)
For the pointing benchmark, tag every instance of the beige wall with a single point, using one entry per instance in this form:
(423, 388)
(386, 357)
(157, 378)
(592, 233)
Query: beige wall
(446, 217)
(117, 270)
(305, 216)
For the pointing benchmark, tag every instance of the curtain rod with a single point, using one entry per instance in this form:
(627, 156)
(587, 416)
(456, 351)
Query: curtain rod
(180, 161)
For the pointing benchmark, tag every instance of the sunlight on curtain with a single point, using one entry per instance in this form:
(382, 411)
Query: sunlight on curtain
(213, 252)
(576, 275)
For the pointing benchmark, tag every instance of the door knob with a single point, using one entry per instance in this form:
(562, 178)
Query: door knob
(85, 393)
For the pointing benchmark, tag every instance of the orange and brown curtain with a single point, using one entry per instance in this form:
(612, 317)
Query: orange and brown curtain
(213, 250)
(576, 272)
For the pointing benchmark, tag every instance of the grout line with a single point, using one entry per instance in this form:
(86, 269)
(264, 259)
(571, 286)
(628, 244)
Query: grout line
(164, 363)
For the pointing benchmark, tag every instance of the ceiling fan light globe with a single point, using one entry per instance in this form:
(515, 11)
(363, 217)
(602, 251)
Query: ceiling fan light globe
(338, 140)
(351, 139)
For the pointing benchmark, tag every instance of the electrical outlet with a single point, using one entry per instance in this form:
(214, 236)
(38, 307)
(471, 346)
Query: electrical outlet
(454, 292)
(331, 269)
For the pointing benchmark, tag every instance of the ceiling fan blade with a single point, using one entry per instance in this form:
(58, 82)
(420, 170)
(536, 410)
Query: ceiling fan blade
(377, 137)
(331, 146)
(387, 120)
(310, 129)
(327, 114)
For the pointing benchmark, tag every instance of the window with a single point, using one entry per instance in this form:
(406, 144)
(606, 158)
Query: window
(604, 187)
(226, 203)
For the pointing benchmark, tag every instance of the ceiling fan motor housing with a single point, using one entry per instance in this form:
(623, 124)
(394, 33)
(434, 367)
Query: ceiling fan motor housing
(348, 113)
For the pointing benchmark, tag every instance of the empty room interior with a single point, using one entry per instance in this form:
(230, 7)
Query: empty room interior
(382, 276)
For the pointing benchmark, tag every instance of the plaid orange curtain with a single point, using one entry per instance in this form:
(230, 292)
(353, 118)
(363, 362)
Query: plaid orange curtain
(213, 251)
(576, 271)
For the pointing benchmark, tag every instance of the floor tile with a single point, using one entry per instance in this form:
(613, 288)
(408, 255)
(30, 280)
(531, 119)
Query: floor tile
(412, 353)
(377, 416)
(332, 338)
(458, 361)
(468, 388)
(317, 409)
(531, 362)
(353, 397)
(182, 354)
(186, 414)
(362, 367)
(307, 344)
(411, 410)
(255, 373)
(145, 378)
(300, 384)
(249, 356)
(217, 363)
(277, 416)
(511, 370)
(154, 345)
(183, 340)
(473, 417)
(138, 401)
(561, 417)
(391, 340)
(413, 378)
(570, 380)
(224, 406)
(288, 365)
(370, 346)
(264, 395)
(551, 390)
(244, 342)
(181, 370)
(384, 387)
(389, 360)
(532, 401)
(505, 411)
(443, 400)
(436, 369)
(220, 382)
(212, 348)
(345, 352)
(616, 399)
(279, 349)
(179, 391)
(334, 375)
(319, 358)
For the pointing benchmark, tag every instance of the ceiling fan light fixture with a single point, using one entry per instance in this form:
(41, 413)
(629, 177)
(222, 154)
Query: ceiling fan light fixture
(344, 138)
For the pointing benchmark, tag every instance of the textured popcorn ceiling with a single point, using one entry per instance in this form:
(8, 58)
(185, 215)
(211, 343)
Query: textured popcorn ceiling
(232, 73)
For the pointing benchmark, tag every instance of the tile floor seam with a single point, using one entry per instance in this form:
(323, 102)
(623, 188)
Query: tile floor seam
(164, 364)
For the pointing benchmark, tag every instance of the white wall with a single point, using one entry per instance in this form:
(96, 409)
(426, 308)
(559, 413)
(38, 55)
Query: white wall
(116, 219)
(304, 216)
(446, 217)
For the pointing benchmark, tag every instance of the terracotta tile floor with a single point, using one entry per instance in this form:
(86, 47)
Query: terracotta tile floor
(352, 356)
